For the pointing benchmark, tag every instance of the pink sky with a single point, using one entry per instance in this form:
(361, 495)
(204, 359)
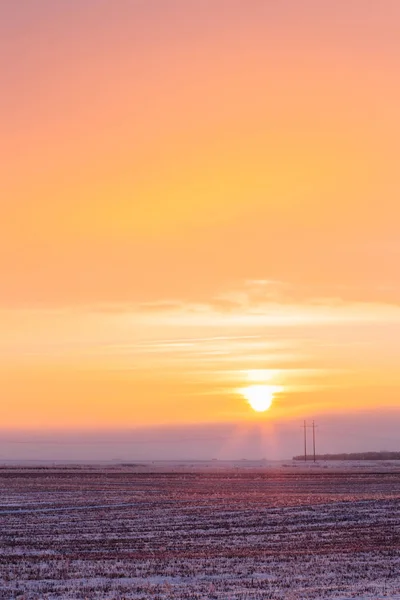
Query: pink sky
(195, 197)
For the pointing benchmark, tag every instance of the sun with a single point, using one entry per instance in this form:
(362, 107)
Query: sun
(260, 397)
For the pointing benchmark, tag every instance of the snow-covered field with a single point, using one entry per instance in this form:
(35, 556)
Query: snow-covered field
(237, 533)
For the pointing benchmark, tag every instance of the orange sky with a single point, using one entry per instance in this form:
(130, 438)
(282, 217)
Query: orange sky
(196, 196)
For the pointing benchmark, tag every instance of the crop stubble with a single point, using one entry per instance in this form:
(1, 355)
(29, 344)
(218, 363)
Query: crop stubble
(109, 533)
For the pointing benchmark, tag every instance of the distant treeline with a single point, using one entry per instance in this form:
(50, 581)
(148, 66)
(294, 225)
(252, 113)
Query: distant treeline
(354, 456)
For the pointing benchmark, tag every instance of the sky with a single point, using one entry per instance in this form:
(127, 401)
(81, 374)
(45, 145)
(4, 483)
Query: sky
(198, 198)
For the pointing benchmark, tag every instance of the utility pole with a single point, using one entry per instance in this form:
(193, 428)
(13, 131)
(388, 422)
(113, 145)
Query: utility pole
(313, 437)
(304, 426)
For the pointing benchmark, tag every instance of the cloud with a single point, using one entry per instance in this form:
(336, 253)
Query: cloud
(184, 362)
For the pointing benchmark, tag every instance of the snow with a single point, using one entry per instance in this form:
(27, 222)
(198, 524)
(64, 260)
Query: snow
(251, 533)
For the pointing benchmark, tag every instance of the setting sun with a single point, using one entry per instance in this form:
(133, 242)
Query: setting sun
(260, 397)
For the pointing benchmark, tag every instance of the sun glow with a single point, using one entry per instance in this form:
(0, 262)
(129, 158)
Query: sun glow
(260, 397)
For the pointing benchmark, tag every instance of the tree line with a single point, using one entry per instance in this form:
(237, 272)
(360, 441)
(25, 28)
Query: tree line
(382, 455)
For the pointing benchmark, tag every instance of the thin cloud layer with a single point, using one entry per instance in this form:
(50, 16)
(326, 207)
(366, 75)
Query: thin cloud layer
(183, 362)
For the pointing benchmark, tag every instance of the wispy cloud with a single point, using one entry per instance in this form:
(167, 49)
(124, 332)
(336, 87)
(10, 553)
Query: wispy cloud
(262, 327)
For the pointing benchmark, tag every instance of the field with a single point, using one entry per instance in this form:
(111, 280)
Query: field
(231, 534)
